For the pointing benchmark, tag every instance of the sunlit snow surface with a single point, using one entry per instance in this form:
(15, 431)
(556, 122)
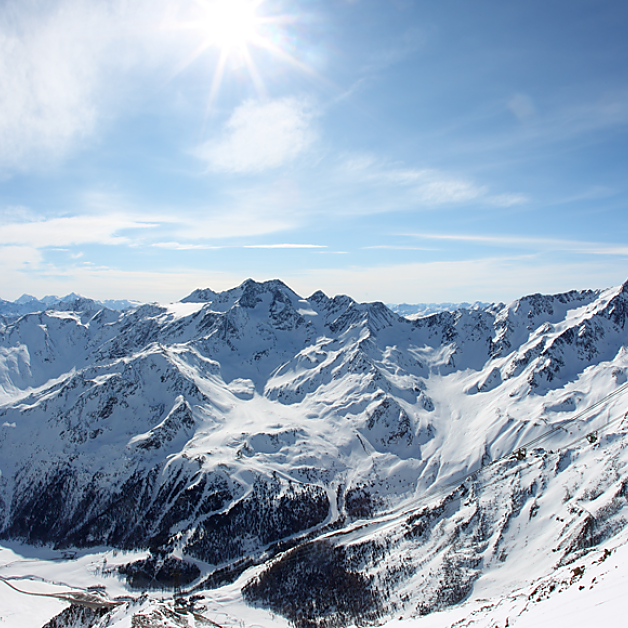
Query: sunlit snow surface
(44, 571)
(595, 599)
(258, 382)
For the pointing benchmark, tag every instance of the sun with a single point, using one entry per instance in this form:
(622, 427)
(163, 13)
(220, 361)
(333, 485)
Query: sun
(229, 24)
(236, 29)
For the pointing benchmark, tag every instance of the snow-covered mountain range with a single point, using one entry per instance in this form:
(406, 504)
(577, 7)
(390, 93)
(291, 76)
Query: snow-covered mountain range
(28, 304)
(256, 437)
(417, 310)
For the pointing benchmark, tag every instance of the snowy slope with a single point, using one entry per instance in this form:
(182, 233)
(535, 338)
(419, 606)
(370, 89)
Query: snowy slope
(225, 428)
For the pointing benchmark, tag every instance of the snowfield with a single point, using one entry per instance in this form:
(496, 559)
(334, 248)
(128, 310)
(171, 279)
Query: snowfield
(316, 461)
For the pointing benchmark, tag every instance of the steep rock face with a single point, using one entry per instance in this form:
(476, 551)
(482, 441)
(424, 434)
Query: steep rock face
(227, 424)
(617, 308)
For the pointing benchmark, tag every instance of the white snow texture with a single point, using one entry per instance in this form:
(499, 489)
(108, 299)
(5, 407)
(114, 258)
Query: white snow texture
(464, 468)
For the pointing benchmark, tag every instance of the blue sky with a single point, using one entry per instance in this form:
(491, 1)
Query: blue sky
(394, 150)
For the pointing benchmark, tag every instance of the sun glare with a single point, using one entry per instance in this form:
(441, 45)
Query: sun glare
(236, 28)
(230, 24)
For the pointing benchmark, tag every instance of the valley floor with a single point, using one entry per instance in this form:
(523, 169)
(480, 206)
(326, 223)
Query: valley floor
(588, 592)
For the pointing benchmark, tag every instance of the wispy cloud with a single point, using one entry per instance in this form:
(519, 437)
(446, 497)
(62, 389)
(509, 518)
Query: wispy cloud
(417, 186)
(57, 62)
(178, 246)
(583, 118)
(387, 247)
(522, 106)
(507, 200)
(71, 230)
(575, 121)
(23, 258)
(574, 246)
(262, 210)
(261, 135)
(47, 73)
(230, 221)
(285, 246)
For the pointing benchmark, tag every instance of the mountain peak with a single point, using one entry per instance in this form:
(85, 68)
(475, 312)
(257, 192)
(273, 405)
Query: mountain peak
(71, 297)
(247, 287)
(25, 298)
(271, 284)
(319, 297)
(200, 295)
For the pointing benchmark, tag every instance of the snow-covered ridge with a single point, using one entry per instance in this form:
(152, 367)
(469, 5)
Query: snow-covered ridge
(417, 310)
(28, 304)
(222, 428)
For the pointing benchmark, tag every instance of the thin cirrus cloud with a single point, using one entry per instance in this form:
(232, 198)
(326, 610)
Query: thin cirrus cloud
(71, 230)
(574, 246)
(414, 187)
(285, 246)
(522, 106)
(232, 222)
(47, 72)
(412, 40)
(566, 123)
(260, 136)
(19, 257)
(179, 246)
(433, 187)
(391, 247)
(57, 59)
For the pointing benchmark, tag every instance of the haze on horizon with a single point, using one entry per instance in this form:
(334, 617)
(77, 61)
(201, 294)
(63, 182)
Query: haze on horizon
(393, 150)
